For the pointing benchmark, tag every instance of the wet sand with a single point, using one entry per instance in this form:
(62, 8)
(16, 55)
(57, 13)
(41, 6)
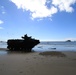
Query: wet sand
(36, 63)
(3, 49)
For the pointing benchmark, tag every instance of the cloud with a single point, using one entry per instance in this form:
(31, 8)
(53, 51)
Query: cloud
(1, 27)
(1, 22)
(64, 5)
(39, 8)
(2, 9)
(3, 12)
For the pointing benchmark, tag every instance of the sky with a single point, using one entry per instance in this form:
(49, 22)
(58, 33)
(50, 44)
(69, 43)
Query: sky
(46, 20)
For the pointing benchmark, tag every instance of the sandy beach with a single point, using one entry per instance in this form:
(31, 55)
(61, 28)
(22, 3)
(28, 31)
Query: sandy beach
(36, 63)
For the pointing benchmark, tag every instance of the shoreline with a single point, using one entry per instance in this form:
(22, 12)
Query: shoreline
(46, 50)
(3, 49)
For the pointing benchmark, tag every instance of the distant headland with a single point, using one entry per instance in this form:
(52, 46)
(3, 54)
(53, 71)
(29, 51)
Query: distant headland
(68, 41)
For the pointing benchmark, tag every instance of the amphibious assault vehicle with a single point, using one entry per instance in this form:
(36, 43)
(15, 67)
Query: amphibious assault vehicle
(24, 44)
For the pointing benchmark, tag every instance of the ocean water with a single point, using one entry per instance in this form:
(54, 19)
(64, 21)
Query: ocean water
(3, 45)
(56, 46)
(50, 46)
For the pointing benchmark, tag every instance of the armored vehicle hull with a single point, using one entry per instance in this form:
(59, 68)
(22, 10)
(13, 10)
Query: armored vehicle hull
(25, 44)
